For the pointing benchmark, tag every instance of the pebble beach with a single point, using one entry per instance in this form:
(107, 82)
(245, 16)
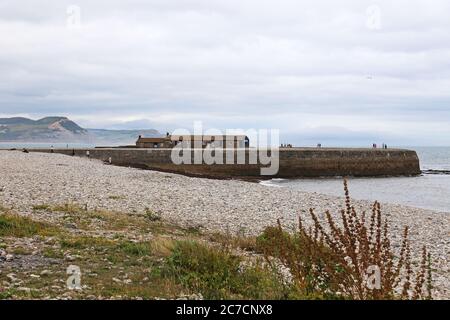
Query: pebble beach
(227, 206)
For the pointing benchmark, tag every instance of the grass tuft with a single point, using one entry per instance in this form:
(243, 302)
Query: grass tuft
(152, 216)
(18, 226)
(84, 242)
(41, 207)
(217, 274)
(136, 249)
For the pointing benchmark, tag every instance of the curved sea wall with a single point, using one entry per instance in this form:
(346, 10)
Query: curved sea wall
(349, 162)
(293, 162)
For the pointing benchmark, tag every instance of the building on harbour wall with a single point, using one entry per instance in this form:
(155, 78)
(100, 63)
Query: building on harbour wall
(195, 141)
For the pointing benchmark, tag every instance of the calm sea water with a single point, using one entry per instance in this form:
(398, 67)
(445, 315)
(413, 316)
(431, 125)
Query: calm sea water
(429, 191)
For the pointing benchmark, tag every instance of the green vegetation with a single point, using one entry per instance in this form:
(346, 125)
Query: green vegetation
(84, 242)
(338, 256)
(5, 294)
(17, 226)
(152, 216)
(136, 249)
(30, 130)
(84, 218)
(23, 129)
(113, 197)
(141, 256)
(218, 274)
(41, 207)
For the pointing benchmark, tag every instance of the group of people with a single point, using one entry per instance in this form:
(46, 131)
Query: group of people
(375, 146)
(383, 146)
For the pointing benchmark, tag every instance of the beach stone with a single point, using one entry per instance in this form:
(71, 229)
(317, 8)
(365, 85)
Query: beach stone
(226, 206)
(45, 273)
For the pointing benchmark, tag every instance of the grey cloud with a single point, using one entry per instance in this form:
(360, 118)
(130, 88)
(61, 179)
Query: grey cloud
(290, 64)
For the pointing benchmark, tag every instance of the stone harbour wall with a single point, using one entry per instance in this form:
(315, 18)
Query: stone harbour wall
(293, 162)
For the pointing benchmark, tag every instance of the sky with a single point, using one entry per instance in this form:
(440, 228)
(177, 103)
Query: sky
(350, 72)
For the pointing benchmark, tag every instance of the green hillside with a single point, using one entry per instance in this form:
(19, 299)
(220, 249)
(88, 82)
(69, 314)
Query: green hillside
(61, 129)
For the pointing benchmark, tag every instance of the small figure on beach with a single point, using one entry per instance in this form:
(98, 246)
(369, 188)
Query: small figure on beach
(88, 154)
(108, 161)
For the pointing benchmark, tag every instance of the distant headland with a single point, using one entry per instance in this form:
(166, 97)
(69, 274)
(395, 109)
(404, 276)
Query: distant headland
(61, 129)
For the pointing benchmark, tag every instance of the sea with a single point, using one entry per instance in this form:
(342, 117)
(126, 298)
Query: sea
(430, 190)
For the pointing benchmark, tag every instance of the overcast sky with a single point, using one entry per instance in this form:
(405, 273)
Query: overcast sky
(336, 72)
